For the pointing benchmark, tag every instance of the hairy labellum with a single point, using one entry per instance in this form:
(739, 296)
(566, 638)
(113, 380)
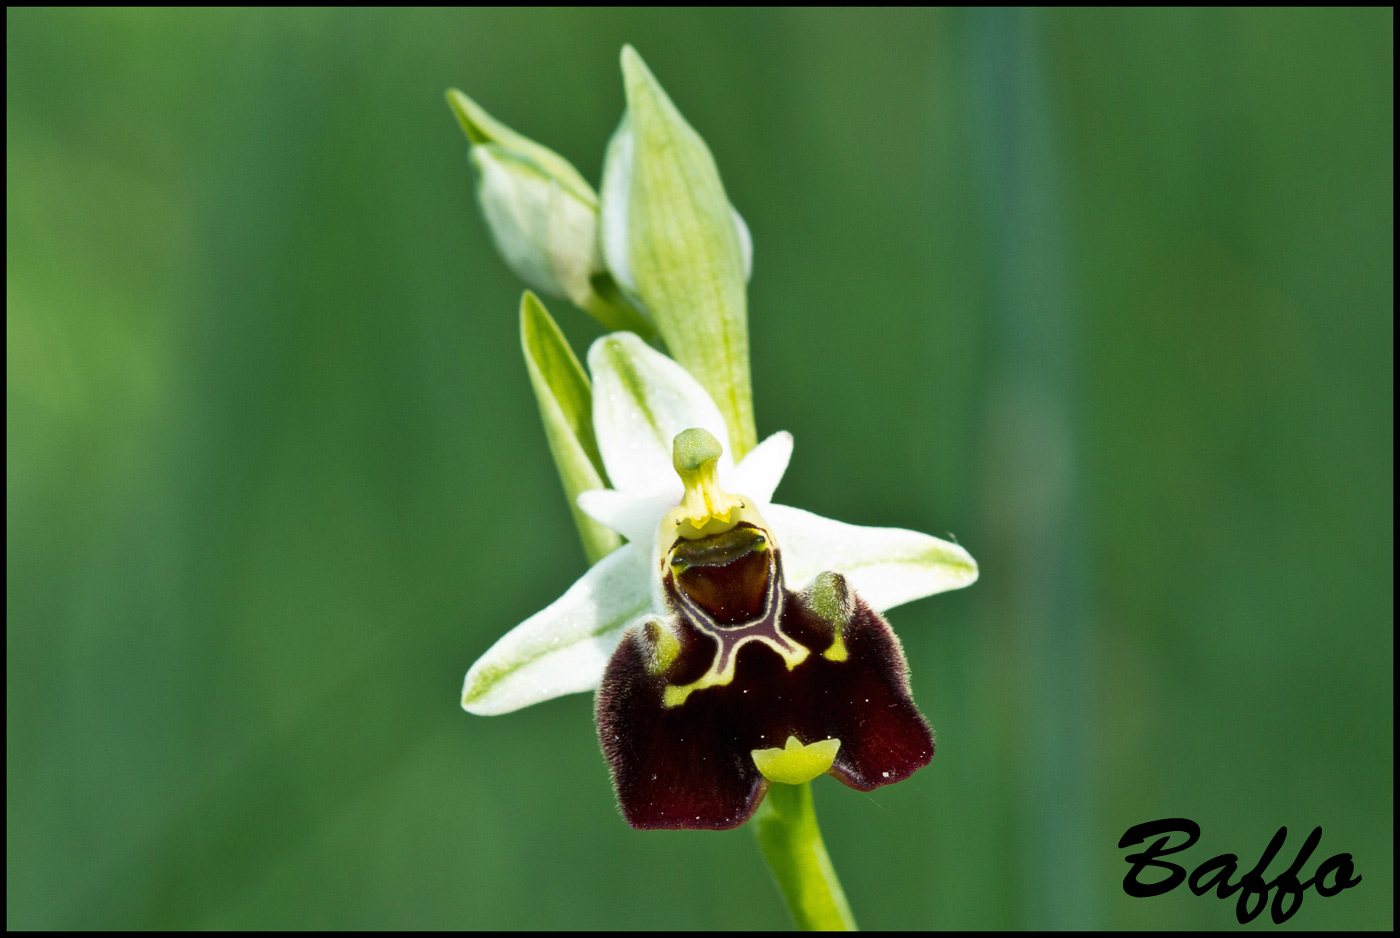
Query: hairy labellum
(747, 682)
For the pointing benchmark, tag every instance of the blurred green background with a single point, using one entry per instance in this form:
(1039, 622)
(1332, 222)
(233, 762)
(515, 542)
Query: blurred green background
(1108, 295)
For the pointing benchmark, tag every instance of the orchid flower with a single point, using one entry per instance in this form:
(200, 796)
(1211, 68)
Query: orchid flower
(735, 640)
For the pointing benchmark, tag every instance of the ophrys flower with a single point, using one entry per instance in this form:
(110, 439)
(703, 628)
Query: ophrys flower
(758, 623)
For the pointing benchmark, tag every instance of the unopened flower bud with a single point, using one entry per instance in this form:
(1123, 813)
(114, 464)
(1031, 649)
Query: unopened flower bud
(543, 217)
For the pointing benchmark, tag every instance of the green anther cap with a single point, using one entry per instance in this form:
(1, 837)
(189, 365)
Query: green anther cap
(692, 448)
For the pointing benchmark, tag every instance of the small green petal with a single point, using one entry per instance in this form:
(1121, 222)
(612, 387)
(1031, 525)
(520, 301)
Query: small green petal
(566, 407)
(796, 763)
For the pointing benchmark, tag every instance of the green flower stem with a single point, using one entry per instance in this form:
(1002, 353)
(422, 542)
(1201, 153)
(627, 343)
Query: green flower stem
(786, 827)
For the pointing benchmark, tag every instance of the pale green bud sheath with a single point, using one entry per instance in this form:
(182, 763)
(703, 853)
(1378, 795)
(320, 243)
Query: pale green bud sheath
(543, 216)
(672, 239)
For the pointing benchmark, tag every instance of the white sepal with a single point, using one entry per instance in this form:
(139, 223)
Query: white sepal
(886, 566)
(563, 648)
(544, 231)
(641, 400)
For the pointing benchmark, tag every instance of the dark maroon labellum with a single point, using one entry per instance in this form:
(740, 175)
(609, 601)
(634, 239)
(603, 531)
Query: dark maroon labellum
(756, 663)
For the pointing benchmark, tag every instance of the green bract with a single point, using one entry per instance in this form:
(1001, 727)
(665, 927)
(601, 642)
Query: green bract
(566, 408)
(671, 239)
(543, 217)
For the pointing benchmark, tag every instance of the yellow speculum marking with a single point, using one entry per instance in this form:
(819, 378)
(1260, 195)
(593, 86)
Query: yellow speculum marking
(837, 651)
(676, 694)
(796, 763)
